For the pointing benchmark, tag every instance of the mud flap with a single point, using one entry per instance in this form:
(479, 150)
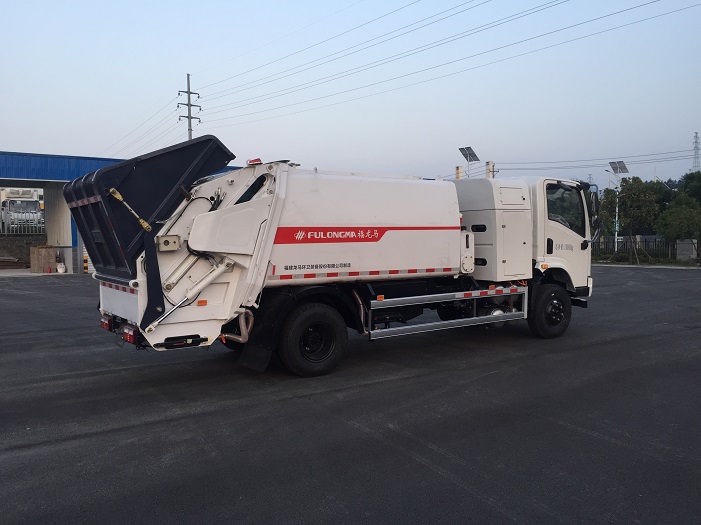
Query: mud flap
(262, 342)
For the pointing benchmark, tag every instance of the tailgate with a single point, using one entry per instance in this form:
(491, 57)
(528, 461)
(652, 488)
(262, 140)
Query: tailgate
(118, 209)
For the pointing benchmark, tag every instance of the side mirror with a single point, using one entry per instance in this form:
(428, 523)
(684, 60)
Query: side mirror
(594, 201)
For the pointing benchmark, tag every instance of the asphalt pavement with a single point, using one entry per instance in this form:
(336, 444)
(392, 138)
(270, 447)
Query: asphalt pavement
(467, 425)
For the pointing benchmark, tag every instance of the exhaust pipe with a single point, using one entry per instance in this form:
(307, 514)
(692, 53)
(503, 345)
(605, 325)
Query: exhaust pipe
(361, 311)
(245, 325)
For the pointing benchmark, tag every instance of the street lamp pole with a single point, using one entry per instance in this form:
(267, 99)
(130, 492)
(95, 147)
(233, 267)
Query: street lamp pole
(617, 167)
(615, 224)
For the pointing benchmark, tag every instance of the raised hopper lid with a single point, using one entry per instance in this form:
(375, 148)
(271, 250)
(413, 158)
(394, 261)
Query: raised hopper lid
(151, 185)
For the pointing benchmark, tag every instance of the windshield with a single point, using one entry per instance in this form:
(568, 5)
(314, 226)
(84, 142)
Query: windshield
(24, 206)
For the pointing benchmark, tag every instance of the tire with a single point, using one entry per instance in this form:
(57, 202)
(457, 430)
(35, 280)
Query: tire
(313, 340)
(550, 312)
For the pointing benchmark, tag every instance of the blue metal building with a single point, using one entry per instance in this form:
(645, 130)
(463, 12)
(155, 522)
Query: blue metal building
(50, 172)
(29, 170)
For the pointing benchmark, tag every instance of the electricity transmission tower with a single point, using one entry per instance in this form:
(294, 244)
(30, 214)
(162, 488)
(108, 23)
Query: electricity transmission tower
(697, 165)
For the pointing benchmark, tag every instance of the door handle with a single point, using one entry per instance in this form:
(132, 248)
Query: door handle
(550, 247)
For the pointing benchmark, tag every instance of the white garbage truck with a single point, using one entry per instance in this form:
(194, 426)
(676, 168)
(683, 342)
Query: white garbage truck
(272, 259)
(20, 211)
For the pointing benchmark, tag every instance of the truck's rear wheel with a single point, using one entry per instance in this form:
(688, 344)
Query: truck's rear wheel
(551, 311)
(313, 340)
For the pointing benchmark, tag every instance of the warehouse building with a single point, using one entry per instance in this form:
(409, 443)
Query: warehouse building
(48, 173)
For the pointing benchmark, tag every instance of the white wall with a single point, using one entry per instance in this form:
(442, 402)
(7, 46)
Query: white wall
(686, 250)
(57, 217)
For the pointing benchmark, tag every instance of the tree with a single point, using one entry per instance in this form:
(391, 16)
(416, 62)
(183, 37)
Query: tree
(673, 184)
(607, 211)
(663, 193)
(682, 220)
(638, 206)
(691, 185)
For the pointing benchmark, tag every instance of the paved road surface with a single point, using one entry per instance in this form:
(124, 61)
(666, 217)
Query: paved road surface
(476, 425)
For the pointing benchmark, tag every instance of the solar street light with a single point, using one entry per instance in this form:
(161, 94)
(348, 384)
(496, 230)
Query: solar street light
(470, 156)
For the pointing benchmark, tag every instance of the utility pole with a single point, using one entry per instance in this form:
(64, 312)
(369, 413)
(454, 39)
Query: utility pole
(617, 168)
(189, 105)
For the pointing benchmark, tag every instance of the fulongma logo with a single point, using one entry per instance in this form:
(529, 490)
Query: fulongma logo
(325, 235)
(333, 235)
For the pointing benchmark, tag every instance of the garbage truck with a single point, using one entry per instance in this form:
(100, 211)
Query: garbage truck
(20, 211)
(278, 261)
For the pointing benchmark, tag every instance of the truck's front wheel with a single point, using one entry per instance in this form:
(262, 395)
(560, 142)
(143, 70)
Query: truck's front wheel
(551, 311)
(313, 340)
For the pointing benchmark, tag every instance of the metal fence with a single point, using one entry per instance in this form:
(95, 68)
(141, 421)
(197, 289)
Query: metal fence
(642, 249)
(22, 223)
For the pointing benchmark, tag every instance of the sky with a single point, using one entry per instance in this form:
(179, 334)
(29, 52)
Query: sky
(392, 86)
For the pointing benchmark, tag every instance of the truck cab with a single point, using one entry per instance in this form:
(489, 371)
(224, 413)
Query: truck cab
(20, 215)
(562, 234)
(534, 231)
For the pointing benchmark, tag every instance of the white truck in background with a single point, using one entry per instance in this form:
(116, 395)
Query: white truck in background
(272, 258)
(20, 211)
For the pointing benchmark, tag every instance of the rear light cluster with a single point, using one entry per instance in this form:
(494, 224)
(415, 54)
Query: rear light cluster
(106, 322)
(130, 333)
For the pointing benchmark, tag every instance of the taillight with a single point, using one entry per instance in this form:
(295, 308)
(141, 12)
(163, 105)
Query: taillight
(130, 333)
(106, 322)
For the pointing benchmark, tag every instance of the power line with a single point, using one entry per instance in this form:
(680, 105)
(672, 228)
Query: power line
(258, 82)
(519, 55)
(312, 46)
(481, 172)
(148, 131)
(603, 165)
(165, 132)
(280, 38)
(604, 158)
(137, 127)
(392, 58)
(447, 63)
(173, 142)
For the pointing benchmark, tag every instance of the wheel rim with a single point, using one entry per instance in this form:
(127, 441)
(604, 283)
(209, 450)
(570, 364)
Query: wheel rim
(554, 313)
(317, 343)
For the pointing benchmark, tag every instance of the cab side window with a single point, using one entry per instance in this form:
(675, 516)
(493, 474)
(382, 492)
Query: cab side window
(565, 207)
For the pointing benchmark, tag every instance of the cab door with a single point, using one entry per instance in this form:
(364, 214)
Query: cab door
(566, 231)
